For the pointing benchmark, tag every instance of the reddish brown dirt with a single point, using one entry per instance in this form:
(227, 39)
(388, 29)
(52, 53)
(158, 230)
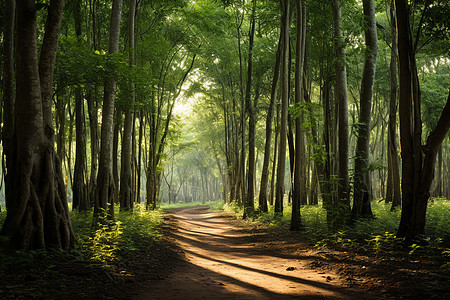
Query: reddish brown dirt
(226, 259)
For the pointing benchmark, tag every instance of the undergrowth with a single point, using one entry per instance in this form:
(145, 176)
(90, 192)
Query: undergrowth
(214, 205)
(106, 241)
(375, 235)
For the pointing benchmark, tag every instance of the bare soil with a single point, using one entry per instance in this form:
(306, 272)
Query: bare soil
(211, 255)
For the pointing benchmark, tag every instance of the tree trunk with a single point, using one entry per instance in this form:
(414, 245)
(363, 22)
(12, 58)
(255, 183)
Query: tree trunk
(393, 193)
(38, 214)
(80, 189)
(265, 170)
(249, 200)
(299, 186)
(361, 193)
(275, 152)
(343, 205)
(418, 161)
(8, 95)
(127, 194)
(115, 153)
(105, 183)
(284, 107)
(93, 126)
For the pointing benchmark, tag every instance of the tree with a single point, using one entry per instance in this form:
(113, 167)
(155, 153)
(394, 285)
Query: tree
(343, 204)
(361, 193)
(284, 106)
(269, 118)
(105, 184)
(38, 214)
(126, 193)
(80, 188)
(393, 179)
(249, 201)
(299, 186)
(417, 160)
(8, 91)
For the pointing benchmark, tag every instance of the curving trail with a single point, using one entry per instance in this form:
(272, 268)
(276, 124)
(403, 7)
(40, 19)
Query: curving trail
(225, 261)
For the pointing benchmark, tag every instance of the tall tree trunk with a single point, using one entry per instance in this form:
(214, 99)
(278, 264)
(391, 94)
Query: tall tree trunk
(127, 194)
(284, 106)
(361, 193)
(343, 206)
(265, 170)
(299, 186)
(115, 153)
(93, 126)
(105, 183)
(139, 165)
(249, 201)
(38, 214)
(80, 189)
(8, 95)
(275, 155)
(418, 161)
(393, 193)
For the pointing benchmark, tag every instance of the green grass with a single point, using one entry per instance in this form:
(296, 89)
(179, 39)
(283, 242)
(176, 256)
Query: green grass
(214, 205)
(376, 235)
(132, 231)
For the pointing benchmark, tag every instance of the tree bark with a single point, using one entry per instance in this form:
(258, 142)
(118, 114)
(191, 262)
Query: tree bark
(361, 193)
(393, 192)
(265, 170)
(249, 203)
(418, 161)
(105, 183)
(38, 214)
(342, 207)
(127, 194)
(299, 186)
(8, 94)
(80, 189)
(284, 107)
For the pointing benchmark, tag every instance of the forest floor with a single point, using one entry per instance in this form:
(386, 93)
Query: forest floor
(211, 255)
(225, 258)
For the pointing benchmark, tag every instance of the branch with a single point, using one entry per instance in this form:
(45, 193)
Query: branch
(439, 132)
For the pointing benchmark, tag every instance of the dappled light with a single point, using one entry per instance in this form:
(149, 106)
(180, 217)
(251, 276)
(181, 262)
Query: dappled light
(225, 149)
(223, 261)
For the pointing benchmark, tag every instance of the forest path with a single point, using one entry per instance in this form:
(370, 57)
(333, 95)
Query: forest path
(230, 259)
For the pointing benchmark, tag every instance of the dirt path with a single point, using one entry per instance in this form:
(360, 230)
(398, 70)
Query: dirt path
(225, 261)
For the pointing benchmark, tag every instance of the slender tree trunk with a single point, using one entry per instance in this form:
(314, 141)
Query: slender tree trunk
(139, 165)
(127, 194)
(8, 95)
(343, 205)
(299, 186)
(284, 107)
(265, 170)
(105, 182)
(361, 193)
(249, 203)
(93, 126)
(80, 189)
(393, 193)
(115, 152)
(275, 152)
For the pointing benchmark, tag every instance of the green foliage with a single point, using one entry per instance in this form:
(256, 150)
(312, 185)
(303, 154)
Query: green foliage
(133, 231)
(370, 235)
(446, 254)
(214, 205)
